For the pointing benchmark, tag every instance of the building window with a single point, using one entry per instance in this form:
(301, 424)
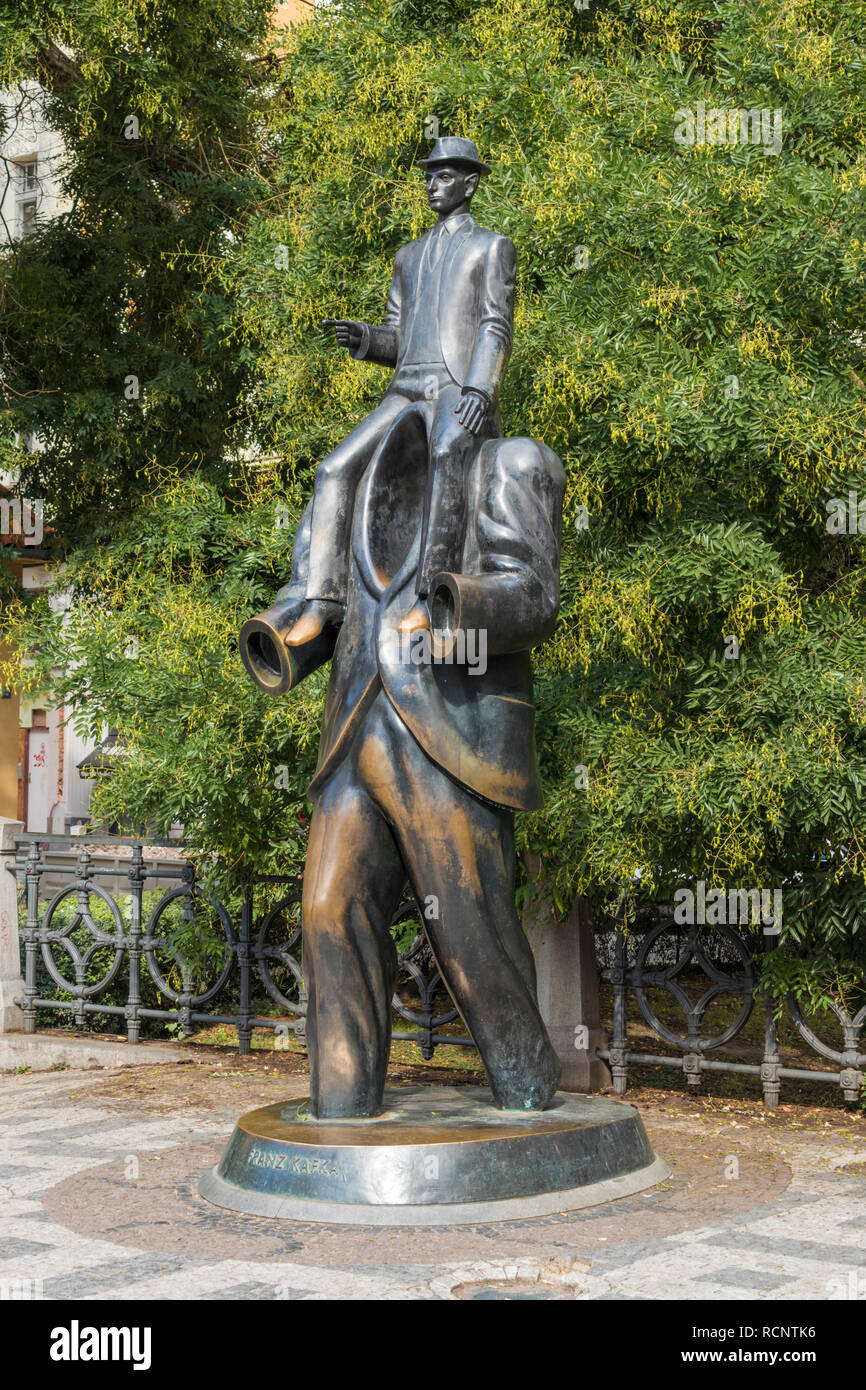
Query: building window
(28, 175)
(27, 195)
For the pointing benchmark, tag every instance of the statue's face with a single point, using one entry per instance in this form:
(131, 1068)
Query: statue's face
(448, 186)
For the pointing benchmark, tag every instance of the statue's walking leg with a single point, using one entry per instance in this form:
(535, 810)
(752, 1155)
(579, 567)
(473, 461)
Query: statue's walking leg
(386, 810)
(353, 883)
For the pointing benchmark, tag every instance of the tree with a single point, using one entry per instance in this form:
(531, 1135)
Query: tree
(689, 338)
(144, 640)
(114, 350)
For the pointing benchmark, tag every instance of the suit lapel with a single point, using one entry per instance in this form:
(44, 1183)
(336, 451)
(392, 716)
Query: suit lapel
(456, 242)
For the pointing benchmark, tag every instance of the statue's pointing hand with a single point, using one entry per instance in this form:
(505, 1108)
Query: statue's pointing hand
(347, 332)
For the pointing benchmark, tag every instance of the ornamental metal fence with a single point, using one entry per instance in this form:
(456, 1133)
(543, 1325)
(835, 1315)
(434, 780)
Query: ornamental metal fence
(651, 965)
(89, 954)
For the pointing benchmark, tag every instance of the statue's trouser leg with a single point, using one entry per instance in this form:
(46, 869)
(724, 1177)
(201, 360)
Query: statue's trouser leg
(353, 883)
(459, 852)
(336, 481)
(452, 449)
(387, 799)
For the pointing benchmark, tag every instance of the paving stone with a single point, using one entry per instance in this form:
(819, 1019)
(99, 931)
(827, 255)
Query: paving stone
(260, 1292)
(796, 1249)
(120, 1276)
(12, 1248)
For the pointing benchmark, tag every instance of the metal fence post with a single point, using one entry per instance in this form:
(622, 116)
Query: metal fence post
(618, 1055)
(133, 999)
(31, 938)
(11, 983)
(771, 1081)
(244, 951)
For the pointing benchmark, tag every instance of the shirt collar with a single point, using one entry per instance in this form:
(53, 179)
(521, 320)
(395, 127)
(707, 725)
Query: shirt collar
(455, 222)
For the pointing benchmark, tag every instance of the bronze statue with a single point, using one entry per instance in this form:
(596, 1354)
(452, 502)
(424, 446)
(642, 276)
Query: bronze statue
(425, 568)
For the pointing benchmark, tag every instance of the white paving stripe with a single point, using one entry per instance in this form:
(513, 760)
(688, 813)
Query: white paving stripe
(786, 1276)
(42, 1177)
(826, 1222)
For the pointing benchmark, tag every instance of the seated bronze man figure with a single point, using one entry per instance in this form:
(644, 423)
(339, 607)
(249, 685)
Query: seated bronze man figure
(447, 332)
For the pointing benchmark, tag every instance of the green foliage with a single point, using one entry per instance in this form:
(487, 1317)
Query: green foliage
(148, 645)
(815, 982)
(689, 338)
(114, 347)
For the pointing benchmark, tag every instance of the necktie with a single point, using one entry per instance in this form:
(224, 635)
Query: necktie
(436, 247)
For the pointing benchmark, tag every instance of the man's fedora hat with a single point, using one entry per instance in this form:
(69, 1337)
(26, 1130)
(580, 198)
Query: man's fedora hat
(453, 149)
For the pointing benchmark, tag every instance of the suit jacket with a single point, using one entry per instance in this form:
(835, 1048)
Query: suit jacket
(479, 727)
(474, 309)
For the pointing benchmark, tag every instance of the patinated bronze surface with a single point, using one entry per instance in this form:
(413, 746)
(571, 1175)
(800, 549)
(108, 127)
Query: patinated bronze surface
(439, 1155)
(425, 568)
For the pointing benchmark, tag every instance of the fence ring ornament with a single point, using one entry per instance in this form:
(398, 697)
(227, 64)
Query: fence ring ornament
(270, 954)
(723, 983)
(101, 939)
(851, 1027)
(151, 943)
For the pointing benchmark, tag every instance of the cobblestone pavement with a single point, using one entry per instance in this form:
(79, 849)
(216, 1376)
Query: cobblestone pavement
(99, 1201)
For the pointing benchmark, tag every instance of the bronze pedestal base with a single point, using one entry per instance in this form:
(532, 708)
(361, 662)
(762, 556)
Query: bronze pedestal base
(436, 1156)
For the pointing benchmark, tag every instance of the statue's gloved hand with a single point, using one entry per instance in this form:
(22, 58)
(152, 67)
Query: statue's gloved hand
(472, 410)
(347, 332)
